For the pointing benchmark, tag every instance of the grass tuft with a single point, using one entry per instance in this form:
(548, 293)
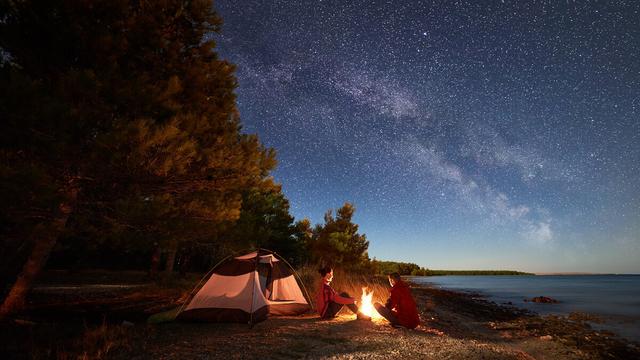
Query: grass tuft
(349, 282)
(98, 343)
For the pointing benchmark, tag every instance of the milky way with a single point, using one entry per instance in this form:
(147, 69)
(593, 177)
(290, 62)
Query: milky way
(467, 134)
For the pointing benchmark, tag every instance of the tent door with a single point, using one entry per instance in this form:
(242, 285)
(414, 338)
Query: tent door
(266, 281)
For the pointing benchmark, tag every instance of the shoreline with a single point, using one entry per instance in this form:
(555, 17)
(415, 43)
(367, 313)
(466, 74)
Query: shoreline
(614, 311)
(111, 324)
(573, 331)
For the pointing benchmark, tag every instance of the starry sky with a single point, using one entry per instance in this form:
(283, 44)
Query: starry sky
(468, 134)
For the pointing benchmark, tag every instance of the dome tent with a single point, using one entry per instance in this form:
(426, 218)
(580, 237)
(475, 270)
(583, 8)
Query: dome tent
(248, 289)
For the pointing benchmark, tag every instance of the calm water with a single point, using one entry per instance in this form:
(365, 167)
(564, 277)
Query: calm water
(615, 298)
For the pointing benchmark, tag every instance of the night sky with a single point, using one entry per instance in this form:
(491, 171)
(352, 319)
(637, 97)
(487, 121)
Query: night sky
(469, 135)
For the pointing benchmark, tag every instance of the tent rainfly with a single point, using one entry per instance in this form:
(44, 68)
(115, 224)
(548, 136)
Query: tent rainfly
(247, 289)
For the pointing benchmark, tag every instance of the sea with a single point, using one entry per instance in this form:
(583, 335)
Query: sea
(615, 299)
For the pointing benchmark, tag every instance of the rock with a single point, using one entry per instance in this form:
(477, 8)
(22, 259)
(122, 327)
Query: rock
(126, 323)
(504, 326)
(543, 300)
(24, 322)
(578, 316)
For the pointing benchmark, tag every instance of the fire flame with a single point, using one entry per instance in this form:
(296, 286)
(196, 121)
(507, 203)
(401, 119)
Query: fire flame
(366, 305)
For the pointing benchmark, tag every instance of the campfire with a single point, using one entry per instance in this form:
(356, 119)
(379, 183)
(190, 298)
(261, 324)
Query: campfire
(366, 304)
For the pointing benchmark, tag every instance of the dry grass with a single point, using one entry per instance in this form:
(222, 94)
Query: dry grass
(64, 341)
(97, 343)
(351, 283)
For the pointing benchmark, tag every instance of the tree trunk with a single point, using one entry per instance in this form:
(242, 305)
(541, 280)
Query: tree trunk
(45, 237)
(171, 257)
(184, 264)
(155, 263)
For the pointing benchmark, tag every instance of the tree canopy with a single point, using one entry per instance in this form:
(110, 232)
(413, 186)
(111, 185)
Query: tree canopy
(120, 114)
(337, 241)
(121, 136)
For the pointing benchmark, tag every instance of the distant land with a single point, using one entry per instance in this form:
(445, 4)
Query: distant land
(429, 272)
(474, 272)
(411, 269)
(579, 273)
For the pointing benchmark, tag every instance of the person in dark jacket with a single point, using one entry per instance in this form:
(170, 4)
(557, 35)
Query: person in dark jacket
(328, 302)
(400, 308)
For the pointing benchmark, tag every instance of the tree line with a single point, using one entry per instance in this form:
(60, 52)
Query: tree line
(411, 269)
(122, 147)
(475, 272)
(402, 268)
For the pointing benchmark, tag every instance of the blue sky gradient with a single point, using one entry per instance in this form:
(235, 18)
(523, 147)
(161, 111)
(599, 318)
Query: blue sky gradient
(469, 135)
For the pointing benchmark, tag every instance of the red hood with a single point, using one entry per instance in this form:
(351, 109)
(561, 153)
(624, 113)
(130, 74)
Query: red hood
(403, 305)
(400, 283)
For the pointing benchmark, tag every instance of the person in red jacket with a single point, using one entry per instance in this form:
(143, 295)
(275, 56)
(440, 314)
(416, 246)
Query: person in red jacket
(328, 302)
(400, 308)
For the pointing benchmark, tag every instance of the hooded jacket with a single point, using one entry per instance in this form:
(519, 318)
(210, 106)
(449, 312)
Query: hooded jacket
(403, 306)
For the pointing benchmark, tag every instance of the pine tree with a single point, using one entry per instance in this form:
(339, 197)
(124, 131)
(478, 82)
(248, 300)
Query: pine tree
(338, 240)
(303, 234)
(265, 222)
(112, 108)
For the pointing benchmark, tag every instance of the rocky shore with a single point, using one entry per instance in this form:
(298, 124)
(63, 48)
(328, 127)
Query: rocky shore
(454, 326)
(554, 337)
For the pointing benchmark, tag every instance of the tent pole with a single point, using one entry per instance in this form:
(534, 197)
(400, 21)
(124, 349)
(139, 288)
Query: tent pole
(253, 288)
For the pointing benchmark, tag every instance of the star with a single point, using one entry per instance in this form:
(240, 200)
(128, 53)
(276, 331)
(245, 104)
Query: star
(515, 128)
